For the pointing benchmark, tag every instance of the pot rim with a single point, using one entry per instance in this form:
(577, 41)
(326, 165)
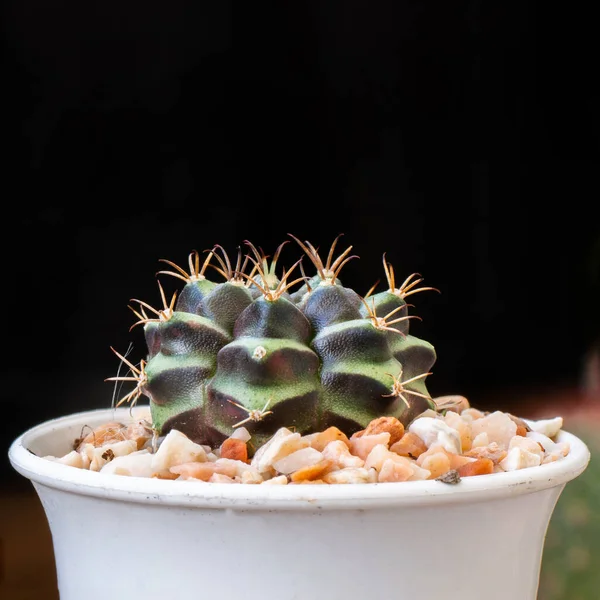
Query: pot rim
(194, 494)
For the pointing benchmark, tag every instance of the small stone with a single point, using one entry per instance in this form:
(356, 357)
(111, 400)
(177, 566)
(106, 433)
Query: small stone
(72, 459)
(437, 464)
(139, 433)
(545, 442)
(283, 443)
(393, 471)
(521, 424)
(235, 449)
(456, 460)
(453, 402)
(203, 470)
(418, 473)
(339, 455)
(472, 414)
(378, 455)
(379, 461)
(481, 466)
(451, 477)
(463, 427)
(361, 446)
(108, 455)
(102, 435)
(410, 445)
(220, 478)
(305, 457)
(239, 466)
(319, 440)
(349, 475)
(241, 433)
(491, 451)
(429, 413)
(526, 443)
(517, 458)
(166, 475)
(250, 476)
(136, 464)
(481, 439)
(177, 449)
(98, 457)
(560, 451)
(390, 425)
(312, 472)
(549, 427)
(279, 480)
(436, 432)
(499, 427)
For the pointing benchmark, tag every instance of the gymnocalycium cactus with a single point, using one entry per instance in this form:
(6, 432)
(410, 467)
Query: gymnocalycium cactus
(250, 351)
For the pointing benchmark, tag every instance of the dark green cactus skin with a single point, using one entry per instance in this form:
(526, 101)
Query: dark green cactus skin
(308, 359)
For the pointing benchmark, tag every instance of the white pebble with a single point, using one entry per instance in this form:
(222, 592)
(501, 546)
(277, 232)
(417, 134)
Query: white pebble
(305, 457)
(517, 458)
(220, 478)
(284, 442)
(549, 427)
(435, 431)
(241, 433)
(98, 457)
(136, 464)
(361, 446)
(72, 459)
(471, 414)
(452, 402)
(177, 449)
(351, 475)
(480, 440)
(339, 453)
(560, 450)
(279, 480)
(548, 444)
(392, 470)
(251, 476)
(499, 427)
(378, 455)
(236, 468)
(526, 443)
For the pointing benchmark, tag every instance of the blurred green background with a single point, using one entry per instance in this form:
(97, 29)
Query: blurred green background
(571, 561)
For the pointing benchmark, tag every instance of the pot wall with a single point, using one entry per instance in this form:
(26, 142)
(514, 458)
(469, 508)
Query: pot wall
(472, 551)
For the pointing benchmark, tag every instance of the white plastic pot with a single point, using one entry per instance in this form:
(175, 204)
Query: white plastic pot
(134, 538)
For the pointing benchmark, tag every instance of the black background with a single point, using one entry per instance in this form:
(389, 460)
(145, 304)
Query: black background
(459, 138)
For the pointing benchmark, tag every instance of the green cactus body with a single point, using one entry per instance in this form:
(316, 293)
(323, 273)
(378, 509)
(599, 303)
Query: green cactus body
(249, 352)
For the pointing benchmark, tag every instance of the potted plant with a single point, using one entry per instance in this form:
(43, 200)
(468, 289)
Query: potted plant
(266, 361)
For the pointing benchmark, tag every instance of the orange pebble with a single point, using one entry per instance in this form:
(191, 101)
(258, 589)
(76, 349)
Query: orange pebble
(481, 466)
(389, 424)
(165, 475)
(409, 445)
(203, 470)
(521, 430)
(311, 472)
(234, 449)
(319, 481)
(104, 434)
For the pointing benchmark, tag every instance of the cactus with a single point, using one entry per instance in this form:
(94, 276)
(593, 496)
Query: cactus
(250, 351)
